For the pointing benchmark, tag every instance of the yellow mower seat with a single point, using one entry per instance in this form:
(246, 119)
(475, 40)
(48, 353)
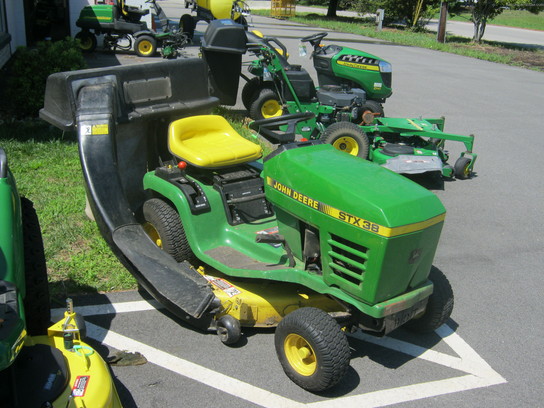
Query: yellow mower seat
(209, 141)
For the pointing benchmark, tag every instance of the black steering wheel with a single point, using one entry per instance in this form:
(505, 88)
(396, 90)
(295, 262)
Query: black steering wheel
(314, 39)
(264, 126)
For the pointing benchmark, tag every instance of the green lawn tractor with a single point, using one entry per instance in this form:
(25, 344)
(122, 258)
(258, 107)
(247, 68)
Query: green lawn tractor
(349, 122)
(210, 10)
(351, 82)
(123, 29)
(307, 240)
(40, 366)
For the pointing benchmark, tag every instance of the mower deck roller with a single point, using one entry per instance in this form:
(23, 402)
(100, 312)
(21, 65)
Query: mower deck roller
(119, 114)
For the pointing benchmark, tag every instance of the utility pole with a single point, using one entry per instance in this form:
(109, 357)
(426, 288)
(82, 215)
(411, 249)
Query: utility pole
(441, 34)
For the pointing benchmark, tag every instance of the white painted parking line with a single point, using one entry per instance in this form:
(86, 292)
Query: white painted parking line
(478, 373)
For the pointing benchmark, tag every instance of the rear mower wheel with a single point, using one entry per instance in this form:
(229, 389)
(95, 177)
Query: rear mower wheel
(347, 137)
(266, 105)
(163, 226)
(312, 349)
(228, 329)
(439, 305)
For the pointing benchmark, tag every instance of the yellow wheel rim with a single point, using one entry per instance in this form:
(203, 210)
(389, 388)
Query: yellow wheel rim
(145, 47)
(347, 144)
(300, 355)
(86, 43)
(271, 109)
(152, 232)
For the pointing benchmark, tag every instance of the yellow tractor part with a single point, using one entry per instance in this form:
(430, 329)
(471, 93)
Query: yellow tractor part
(90, 381)
(264, 303)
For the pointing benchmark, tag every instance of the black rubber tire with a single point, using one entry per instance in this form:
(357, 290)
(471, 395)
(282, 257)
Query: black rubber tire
(229, 329)
(166, 222)
(145, 46)
(375, 107)
(328, 348)
(265, 96)
(87, 41)
(243, 21)
(36, 302)
(460, 169)
(335, 132)
(249, 91)
(187, 25)
(439, 305)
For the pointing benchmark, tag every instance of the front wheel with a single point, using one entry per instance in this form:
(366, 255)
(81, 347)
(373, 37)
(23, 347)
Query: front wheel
(87, 41)
(439, 305)
(461, 168)
(312, 349)
(145, 46)
(266, 105)
(347, 137)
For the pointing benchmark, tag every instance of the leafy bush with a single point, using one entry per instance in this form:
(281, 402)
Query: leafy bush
(29, 69)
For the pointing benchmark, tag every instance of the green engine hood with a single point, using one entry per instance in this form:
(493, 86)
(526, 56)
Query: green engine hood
(348, 188)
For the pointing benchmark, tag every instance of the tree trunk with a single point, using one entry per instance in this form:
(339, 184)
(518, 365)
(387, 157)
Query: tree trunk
(333, 5)
(479, 30)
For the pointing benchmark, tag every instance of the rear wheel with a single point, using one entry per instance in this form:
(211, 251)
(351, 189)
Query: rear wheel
(249, 90)
(347, 137)
(312, 349)
(187, 25)
(36, 302)
(266, 105)
(87, 41)
(461, 168)
(145, 46)
(163, 226)
(439, 305)
(369, 111)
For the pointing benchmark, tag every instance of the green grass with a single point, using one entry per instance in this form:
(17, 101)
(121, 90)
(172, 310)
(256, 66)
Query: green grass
(511, 18)
(46, 165)
(488, 51)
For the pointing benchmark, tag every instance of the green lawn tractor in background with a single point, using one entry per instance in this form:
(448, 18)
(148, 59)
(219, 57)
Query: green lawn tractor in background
(307, 240)
(123, 29)
(209, 10)
(40, 365)
(351, 82)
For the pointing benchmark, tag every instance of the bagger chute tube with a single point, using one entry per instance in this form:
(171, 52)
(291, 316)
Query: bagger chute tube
(307, 239)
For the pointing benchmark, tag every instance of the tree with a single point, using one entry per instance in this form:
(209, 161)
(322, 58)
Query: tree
(331, 11)
(484, 10)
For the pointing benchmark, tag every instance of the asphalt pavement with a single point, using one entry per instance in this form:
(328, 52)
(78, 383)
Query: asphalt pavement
(489, 354)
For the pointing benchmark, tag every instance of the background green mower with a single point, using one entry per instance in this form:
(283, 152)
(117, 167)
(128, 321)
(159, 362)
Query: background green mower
(123, 30)
(351, 82)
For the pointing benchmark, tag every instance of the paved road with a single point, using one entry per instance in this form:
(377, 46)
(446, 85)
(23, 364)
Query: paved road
(517, 36)
(490, 352)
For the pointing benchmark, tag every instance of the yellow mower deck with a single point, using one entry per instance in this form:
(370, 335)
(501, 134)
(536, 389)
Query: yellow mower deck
(264, 303)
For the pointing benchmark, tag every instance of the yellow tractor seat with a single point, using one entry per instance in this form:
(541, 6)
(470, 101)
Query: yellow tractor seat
(209, 141)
